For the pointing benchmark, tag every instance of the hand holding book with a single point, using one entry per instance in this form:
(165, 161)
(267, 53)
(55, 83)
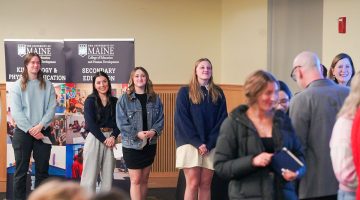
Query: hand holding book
(289, 175)
(283, 162)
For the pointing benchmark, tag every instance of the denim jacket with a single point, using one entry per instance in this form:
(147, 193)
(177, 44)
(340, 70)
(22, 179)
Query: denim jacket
(129, 119)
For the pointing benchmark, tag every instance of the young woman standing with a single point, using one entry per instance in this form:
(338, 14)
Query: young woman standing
(140, 118)
(98, 156)
(200, 110)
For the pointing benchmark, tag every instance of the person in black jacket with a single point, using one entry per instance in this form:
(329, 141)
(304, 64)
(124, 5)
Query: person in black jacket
(248, 139)
(100, 119)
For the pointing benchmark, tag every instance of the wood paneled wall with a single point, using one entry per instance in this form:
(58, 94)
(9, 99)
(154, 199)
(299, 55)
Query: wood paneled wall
(165, 159)
(164, 165)
(166, 146)
(3, 139)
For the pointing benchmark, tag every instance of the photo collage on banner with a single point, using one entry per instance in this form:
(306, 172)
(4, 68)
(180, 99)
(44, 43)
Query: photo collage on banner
(84, 58)
(70, 66)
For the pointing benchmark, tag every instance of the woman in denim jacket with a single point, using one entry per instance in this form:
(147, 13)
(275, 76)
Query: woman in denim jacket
(140, 118)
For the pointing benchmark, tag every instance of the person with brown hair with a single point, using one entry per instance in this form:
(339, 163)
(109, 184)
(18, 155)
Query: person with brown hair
(32, 103)
(200, 110)
(248, 139)
(140, 118)
(99, 114)
(342, 69)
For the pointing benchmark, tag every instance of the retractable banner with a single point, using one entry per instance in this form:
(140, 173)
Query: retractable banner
(70, 65)
(86, 57)
(50, 51)
(53, 66)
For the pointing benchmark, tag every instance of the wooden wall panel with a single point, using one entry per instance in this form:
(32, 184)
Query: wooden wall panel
(164, 163)
(3, 138)
(164, 173)
(234, 96)
(166, 144)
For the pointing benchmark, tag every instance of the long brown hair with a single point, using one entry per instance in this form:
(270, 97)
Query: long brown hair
(95, 93)
(148, 86)
(25, 75)
(195, 94)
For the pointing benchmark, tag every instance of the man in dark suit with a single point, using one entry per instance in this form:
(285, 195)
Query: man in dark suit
(313, 114)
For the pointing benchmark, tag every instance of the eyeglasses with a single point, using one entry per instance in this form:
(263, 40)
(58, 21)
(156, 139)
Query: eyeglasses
(282, 101)
(292, 74)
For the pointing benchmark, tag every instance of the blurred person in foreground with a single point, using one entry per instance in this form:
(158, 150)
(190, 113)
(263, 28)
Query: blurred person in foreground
(248, 139)
(59, 190)
(340, 144)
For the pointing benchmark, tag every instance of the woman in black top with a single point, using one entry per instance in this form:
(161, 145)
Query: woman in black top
(139, 116)
(101, 123)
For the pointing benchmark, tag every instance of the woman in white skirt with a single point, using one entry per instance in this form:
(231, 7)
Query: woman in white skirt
(200, 110)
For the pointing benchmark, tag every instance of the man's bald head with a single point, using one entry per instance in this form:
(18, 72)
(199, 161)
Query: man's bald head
(307, 60)
(306, 68)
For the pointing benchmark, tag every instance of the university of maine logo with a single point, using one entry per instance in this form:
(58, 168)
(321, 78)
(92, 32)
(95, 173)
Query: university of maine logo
(82, 50)
(21, 50)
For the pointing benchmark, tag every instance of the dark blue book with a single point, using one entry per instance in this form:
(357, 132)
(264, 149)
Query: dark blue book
(284, 159)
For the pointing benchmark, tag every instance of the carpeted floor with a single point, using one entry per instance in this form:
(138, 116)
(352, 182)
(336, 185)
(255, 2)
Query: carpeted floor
(161, 194)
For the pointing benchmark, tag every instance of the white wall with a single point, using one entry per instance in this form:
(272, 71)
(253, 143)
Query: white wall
(291, 31)
(334, 42)
(243, 39)
(169, 35)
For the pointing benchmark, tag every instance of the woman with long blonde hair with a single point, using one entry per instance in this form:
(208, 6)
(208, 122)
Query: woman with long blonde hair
(200, 110)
